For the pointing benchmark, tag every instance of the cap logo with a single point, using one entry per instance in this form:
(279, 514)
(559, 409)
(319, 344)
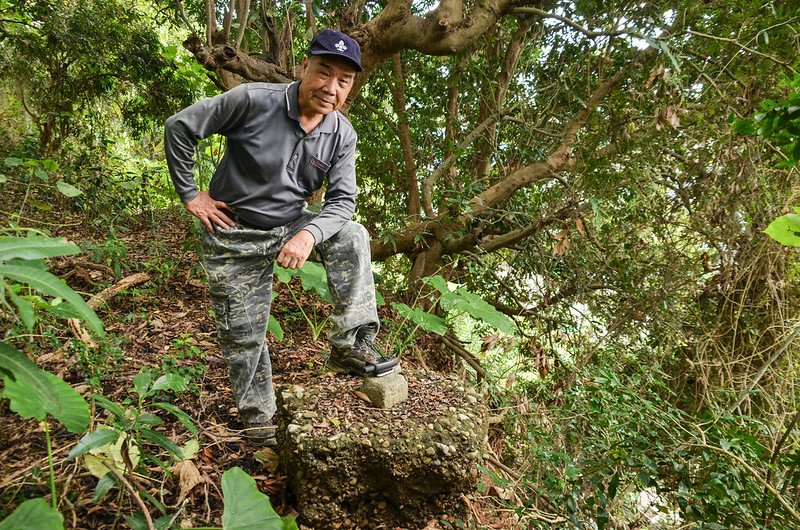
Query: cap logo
(340, 46)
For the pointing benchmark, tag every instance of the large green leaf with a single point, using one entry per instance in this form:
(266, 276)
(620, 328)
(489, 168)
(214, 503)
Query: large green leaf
(33, 392)
(176, 411)
(174, 382)
(314, 279)
(35, 247)
(246, 508)
(46, 283)
(785, 230)
(480, 309)
(423, 319)
(464, 301)
(93, 440)
(33, 514)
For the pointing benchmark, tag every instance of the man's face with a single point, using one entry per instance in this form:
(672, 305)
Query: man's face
(325, 82)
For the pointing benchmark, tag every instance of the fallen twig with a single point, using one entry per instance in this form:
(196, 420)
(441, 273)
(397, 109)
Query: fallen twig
(102, 297)
(133, 492)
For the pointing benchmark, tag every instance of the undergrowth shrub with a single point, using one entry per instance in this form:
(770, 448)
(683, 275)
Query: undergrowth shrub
(615, 451)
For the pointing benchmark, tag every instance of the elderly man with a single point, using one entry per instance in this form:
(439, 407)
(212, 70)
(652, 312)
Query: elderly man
(283, 141)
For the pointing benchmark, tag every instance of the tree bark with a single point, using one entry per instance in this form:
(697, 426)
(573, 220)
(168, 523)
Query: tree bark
(397, 87)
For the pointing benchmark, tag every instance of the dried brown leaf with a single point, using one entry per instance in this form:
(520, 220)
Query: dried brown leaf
(362, 396)
(580, 226)
(188, 477)
(268, 458)
(562, 244)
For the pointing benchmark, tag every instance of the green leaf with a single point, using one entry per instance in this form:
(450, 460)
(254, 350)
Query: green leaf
(425, 320)
(100, 459)
(93, 440)
(12, 161)
(26, 313)
(176, 411)
(109, 405)
(104, 485)
(785, 230)
(33, 392)
(190, 449)
(33, 514)
(796, 151)
(141, 383)
(68, 189)
(284, 275)
(480, 309)
(313, 278)
(149, 419)
(275, 328)
(246, 508)
(163, 442)
(174, 382)
(744, 126)
(438, 283)
(62, 310)
(35, 247)
(46, 283)
(41, 206)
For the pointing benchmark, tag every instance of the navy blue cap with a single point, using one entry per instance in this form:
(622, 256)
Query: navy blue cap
(332, 42)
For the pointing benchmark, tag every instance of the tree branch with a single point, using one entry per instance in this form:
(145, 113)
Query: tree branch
(184, 18)
(242, 18)
(745, 48)
(226, 21)
(211, 21)
(787, 505)
(571, 23)
(399, 101)
(561, 156)
(509, 239)
(788, 342)
(235, 61)
(310, 18)
(395, 28)
(459, 350)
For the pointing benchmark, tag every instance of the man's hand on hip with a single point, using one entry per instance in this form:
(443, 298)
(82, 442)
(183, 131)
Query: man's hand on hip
(209, 211)
(296, 251)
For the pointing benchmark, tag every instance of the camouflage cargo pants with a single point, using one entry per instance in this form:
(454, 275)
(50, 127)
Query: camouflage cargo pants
(240, 261)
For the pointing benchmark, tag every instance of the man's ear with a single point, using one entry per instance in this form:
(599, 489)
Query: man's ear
(303, 65)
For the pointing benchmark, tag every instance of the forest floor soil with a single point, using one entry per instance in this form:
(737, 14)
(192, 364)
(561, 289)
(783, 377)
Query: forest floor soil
(164, 318)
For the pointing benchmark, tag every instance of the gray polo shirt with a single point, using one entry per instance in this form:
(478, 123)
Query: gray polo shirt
(271, 166)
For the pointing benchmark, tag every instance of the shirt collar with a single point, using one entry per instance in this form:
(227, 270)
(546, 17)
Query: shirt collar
(329, 124)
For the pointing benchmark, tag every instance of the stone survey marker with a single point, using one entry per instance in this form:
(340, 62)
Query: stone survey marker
(352, 465)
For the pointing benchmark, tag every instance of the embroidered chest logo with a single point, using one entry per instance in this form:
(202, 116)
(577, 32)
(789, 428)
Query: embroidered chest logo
(340, 46)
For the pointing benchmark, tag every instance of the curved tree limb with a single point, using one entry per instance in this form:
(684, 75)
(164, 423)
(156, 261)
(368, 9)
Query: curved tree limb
(235, 61)
(561, 156)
